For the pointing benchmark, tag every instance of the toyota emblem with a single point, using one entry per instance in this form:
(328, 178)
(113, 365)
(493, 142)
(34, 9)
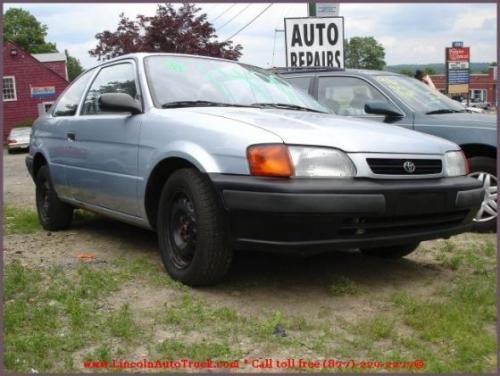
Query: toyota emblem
(409, 167)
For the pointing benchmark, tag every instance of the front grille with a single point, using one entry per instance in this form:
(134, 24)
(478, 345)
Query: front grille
(389, 166)
(369, 226)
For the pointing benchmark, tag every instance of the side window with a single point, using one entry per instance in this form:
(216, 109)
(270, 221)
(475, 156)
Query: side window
(301, 83)
(118, 78)
(68, 103)
(347, 95)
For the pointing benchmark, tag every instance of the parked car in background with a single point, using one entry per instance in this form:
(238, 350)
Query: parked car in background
(400, 100)
(214, 155)
(19, 139)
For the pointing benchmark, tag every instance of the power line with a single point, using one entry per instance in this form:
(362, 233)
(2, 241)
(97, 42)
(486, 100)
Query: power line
(236, 15)
(249, 23)
(224, 12)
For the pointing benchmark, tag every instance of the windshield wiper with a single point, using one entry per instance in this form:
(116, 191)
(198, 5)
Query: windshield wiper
(286, 106)
(179, 104)
(443, 111)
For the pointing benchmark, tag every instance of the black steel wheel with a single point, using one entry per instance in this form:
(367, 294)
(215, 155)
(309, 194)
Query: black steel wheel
(191, 230)
(53, 214)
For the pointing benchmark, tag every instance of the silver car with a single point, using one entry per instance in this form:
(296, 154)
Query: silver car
(215, 156)
(19, 139)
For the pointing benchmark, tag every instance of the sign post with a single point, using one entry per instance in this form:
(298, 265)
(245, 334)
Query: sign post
(458, 69)
(314, 42)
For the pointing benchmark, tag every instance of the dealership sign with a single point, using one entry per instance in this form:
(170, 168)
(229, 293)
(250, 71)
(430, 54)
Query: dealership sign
(457, 68)
(314, 42)
(42, 91)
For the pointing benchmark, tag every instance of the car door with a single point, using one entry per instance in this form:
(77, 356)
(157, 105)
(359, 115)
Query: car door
(347, 96)
(103, 170)
(54, 135)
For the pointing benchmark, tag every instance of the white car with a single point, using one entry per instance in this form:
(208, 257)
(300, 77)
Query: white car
(19, 138)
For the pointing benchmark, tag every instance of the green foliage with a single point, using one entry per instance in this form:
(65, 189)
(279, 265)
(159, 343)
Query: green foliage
(407, 72)
(74, 66)
(21, 27)
(429, 70)
(364, 53)
(20, 221)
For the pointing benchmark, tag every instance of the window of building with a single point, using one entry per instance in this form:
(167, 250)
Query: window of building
(9, 88)
(478, 95)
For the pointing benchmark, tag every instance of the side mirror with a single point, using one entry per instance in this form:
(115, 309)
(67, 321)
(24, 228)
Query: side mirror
(382, 108)
(119, 102)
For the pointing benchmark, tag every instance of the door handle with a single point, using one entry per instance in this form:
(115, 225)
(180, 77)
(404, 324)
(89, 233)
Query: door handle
(71, 136)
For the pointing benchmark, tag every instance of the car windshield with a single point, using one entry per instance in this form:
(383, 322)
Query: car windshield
(177, 81)
(419, 96)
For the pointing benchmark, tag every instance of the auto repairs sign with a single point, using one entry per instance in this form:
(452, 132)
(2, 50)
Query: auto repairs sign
(314, 42)
(457, 68)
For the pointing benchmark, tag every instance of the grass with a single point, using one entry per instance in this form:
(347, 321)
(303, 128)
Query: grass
(20, 221)
(342, 285)
(54, 317)
(25, 221)
(49, 315)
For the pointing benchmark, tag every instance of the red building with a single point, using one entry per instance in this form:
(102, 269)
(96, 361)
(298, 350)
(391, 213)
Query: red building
(31, 83)
(482, 87)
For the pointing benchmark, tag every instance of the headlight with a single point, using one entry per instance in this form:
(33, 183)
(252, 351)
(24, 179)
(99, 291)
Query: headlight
(320, 162)
(300, 161)
(455, 164)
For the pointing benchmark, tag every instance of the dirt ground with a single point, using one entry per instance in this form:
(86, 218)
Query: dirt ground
(257, 284)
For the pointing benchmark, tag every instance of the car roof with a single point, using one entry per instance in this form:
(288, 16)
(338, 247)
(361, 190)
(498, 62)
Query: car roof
(325, 70)
(143, 55)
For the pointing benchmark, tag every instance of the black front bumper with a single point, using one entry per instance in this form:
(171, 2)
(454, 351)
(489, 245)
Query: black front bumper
(322, 214)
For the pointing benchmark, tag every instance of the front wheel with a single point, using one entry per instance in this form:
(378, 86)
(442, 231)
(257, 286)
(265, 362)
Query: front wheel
(191, 230)
(392, 252)
(484, 170)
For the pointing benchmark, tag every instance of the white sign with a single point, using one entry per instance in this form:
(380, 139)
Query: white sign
(314, 42)
(458, 65)
(327, 9)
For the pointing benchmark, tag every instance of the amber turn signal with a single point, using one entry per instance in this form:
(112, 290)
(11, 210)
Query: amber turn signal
(269, 160)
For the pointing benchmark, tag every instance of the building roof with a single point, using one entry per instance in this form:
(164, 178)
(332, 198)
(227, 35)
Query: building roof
(49, 57)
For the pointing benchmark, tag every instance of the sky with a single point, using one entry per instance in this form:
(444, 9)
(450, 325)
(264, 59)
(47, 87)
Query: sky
(410, 33)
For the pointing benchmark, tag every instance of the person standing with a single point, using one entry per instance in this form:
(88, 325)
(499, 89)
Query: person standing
(425, 78)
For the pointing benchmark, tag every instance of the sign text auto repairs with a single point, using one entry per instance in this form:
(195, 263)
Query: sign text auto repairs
(315, 42)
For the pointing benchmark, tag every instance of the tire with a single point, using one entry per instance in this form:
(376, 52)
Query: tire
(53, 214)
(392, 252)
(480, 168)
(191, 230)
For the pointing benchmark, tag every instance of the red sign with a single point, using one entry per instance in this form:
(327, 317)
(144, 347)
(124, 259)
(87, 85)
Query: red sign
(457, 53)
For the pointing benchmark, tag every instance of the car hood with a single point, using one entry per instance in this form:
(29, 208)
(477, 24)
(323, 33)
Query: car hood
(486, 121)
(309, 128)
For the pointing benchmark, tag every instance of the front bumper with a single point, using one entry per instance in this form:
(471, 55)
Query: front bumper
(25, 145)
(321, 214)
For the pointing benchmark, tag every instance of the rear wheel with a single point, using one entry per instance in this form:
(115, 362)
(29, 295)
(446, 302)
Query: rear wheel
(484, 170)
(392, 252)
(53, 214)
(191, 230)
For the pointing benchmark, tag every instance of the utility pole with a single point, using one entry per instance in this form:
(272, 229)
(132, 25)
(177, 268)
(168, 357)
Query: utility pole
(274, 45)
(311, 9)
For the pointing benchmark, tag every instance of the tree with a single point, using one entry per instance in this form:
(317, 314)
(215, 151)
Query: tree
(364, 53)
(169, 30)
(429, 71)
(407, 72)
(21, 27)
(74, 66)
